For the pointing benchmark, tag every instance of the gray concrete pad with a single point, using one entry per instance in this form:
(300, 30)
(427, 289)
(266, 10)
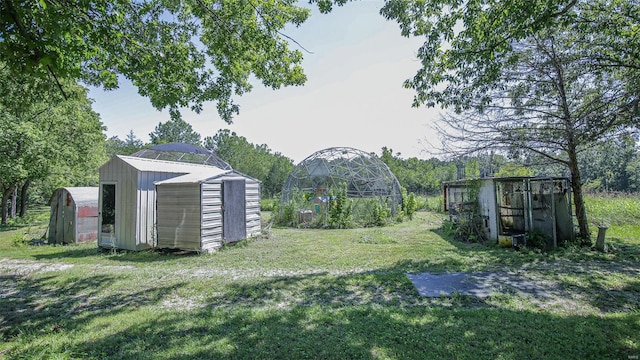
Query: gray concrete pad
(475, 284)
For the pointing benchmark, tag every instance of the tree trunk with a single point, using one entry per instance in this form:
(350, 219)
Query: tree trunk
(5, 203)
(578, 200)
(23, 198)
(14, 200)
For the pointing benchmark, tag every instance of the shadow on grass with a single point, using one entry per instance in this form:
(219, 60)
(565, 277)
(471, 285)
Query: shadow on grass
(44, 305)
(365, 315)
(618, 251)
(323, 325)
(370, 333)
(4, 228)
(567, 273)
(144, 256)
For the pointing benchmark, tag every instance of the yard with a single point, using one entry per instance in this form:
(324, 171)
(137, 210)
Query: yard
(316, 294)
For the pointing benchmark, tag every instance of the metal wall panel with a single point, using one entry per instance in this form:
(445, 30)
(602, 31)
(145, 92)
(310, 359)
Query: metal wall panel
(234, 213)
(86, 229)
(56, 219)
(178, 211)
(211, 215)
(146, 221)
(254, 224)
(127, 217)
(114, 171)
(252, 200)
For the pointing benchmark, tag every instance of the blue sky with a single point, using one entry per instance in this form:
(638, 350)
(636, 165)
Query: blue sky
(353, 96)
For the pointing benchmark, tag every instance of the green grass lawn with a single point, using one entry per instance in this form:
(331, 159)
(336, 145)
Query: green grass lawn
(315, 294)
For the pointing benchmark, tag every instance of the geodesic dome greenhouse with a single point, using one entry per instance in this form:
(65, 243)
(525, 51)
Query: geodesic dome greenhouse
(364, 175)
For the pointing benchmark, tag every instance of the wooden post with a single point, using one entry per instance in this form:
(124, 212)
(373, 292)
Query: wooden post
(600, 244)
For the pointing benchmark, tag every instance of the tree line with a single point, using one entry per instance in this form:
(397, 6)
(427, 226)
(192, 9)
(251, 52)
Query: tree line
(61, 142)
(611, 166)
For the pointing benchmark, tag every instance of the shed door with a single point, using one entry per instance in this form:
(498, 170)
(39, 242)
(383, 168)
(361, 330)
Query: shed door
(234, 215)
(56, 219)
(107, 216)
(68, 216)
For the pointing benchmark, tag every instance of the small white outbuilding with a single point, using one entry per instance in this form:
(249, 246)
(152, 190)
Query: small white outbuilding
(510, 207)
(202, 212)
(148, 203)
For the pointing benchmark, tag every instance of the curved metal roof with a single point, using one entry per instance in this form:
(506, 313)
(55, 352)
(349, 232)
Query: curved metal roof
(181, 152)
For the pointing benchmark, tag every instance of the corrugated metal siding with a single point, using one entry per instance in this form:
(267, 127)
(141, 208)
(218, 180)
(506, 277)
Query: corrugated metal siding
(254, 226)
(147, 207)
(127, 205)
(178, 216)
(487, 198)
(86, 229)
(112, 172)
(211, 230)
(252, 198)
(83, 196)
(74, 215)
(56, 218)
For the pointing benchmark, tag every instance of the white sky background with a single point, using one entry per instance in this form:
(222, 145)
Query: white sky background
(353, 96)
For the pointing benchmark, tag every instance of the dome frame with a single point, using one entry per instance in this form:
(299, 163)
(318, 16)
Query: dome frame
(181, 152)
(364, 174)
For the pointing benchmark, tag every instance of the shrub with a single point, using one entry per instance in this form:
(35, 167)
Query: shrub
(340, 207)
(537, 239)
(434, 203)
(268, 204)
(286, 216)
(380, 214)
(409, 204)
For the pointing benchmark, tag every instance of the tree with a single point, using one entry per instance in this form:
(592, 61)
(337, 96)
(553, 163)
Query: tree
(472, 45)
(177, 53)
(175, 130)
(550, 101)
(242, 155)
(469, 43)
(418, 175)
(254, 160)
(52, 142)
(633, 172)
(281, 167)
(605, 165)
(128, 146)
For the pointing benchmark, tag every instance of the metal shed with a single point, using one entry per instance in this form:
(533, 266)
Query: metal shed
(148, 203)
(201, 213)
(510, 207)
(74, 215)
(128, 199)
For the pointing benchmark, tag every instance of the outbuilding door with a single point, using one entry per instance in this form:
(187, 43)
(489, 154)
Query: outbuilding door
(107, 226)
(62, 222)
(68, 216)
(234, 215)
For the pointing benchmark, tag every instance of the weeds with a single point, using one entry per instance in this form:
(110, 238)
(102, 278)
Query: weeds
(613, 209)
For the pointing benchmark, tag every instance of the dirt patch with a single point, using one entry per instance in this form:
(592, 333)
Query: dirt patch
(26, 267)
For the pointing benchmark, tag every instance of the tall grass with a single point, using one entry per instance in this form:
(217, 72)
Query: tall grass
(606, 209)
(434, 203)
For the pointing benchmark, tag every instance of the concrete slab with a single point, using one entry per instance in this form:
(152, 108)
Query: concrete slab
(475, 284)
